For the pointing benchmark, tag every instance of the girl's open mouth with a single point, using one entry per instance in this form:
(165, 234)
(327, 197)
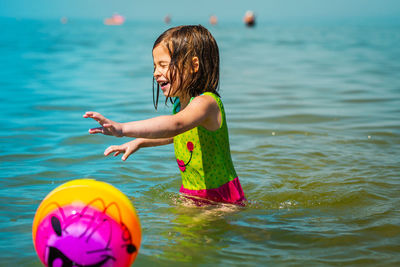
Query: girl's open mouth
(164, 85)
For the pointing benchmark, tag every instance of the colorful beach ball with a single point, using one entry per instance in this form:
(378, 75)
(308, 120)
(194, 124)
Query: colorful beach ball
(86, 223)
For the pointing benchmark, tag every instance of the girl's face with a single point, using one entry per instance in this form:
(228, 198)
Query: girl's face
(162, 59)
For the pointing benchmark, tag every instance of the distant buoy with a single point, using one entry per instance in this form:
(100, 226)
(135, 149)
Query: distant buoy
(249, 18)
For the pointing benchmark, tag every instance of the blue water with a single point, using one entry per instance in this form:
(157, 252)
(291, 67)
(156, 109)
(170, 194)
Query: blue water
(314, 119)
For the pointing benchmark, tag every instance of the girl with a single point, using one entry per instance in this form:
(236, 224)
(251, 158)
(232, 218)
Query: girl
(186, 68)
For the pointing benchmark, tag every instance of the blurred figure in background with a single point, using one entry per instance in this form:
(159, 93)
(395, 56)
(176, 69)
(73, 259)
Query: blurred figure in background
(167, 19)
(64, 20)
(249, 18)
(116, 19)
(213, 20)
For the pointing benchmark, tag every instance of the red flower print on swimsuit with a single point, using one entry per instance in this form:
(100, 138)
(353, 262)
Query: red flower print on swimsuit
(190, 146)
(182, 165)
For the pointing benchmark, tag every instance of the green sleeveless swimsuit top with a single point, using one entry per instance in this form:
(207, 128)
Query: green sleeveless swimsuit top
(203, 156)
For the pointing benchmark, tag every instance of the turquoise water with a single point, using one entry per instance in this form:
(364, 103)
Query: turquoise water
(314, 119)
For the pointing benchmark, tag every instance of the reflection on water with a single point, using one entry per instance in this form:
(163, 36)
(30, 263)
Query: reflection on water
(313, 114)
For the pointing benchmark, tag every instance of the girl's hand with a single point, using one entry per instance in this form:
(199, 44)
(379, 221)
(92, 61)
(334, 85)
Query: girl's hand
(127, 149)
(109, 127)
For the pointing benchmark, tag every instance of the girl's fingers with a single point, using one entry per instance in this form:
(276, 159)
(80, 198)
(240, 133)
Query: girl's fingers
(96, 116)
(102, 130)
(96, 130)
(129, 150)
(126, 155)
(114, 149)
(109, 150)
(108, 126)
(87, 114)
(90, 114)
(118, 150)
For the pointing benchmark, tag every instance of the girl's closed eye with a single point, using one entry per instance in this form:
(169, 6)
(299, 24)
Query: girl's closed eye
(164, 65)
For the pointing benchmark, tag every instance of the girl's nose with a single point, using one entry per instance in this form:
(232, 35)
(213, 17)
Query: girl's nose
(156, 73)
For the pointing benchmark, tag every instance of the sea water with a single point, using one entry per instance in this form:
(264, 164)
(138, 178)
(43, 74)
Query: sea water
(313, 111)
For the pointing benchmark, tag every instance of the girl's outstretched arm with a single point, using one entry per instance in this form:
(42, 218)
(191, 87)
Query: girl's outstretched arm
(134, 145)
(203, 110)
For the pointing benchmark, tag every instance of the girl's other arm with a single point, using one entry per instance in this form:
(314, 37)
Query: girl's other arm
(134, 145)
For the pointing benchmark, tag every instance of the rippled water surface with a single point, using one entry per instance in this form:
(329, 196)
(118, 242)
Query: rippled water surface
(314, 120)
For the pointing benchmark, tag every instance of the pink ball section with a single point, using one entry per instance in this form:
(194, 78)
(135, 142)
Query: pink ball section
(81, 235)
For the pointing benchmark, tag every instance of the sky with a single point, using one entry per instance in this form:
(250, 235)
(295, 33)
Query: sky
(183, 9)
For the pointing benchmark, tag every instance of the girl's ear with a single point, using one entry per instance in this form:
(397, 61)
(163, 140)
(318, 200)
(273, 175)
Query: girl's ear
(195, 64)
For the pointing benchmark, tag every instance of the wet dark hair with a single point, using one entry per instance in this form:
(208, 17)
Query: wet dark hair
(184, 43)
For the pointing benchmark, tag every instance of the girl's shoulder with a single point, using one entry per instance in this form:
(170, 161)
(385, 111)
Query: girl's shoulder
(216, 97)
(207, 99)
(210, 104)
(213, 95)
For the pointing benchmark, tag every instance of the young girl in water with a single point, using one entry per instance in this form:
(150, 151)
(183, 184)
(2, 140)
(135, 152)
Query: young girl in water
(186, 69)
